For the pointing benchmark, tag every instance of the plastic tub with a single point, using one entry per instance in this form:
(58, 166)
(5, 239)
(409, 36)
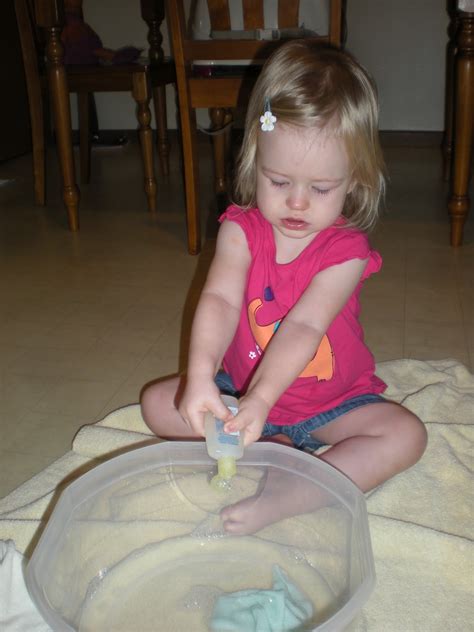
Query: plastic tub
(138, 543)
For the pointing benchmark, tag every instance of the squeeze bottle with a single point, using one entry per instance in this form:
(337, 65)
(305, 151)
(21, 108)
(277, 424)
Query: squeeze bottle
(226, 447)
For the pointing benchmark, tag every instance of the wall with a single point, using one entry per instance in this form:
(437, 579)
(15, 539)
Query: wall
(401, 43)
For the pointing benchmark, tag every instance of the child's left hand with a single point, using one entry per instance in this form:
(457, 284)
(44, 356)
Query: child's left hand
(252, 415)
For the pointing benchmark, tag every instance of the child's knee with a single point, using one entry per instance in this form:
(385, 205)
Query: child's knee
(420, 436)
(412, 433)
(150, 402)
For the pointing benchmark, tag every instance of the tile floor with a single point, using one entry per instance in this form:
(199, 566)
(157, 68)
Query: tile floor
(86, 319)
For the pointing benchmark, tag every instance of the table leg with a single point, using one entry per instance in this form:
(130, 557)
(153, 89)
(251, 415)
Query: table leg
(62, 122)
(141, 94)
(458, 205)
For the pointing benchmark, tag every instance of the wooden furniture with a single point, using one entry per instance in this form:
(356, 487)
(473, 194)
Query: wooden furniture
(14, 112)
(459, 126)
(220, 94)
(57, 81)
(161, 73)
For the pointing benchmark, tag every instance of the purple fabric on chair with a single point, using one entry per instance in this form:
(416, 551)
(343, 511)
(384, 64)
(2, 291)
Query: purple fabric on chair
(80, 41)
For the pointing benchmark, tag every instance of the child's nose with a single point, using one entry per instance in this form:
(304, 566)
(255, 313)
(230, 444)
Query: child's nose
(298, 200)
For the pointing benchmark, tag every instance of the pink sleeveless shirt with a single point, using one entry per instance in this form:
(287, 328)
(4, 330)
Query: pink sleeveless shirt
(342, 366)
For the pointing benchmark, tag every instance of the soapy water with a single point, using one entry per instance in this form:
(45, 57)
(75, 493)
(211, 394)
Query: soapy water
(221, 484)
(178, 581)
(211, 492)
(201, 598)
(194, 561)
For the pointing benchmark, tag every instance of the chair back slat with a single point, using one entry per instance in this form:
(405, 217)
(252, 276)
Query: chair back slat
(335, 22)
(187, 49)
(288, 14)
(228, 49)
(253, 14)
(219, 15)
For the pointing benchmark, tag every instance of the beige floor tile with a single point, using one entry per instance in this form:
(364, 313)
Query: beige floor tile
(119, 338)
(20, 393)
(103, 363)
(434, 341)
(9, 354)
(128, 393)
(467, 306)
(28, 334)
(383, 301)
(48, 361)
(16, 468)
(82, 398)
(168, 360)
(384, 337)
(40, 434)
(434, 304)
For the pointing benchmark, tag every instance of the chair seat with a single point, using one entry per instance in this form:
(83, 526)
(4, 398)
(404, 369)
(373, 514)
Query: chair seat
(233, 91)
(110, 78)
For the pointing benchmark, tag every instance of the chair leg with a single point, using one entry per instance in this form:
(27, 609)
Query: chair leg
(162, 141)
(84, 136)
(62, 122)
(191, 176)
(447, 145)
(39, 153)
(141, 94)
(36, 96)
(218, 141)
(458, 205)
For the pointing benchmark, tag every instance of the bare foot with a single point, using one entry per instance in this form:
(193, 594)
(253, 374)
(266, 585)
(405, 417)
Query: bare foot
(279, 496)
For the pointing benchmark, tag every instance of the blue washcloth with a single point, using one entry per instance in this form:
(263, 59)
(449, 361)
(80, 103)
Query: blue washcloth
(282, 609)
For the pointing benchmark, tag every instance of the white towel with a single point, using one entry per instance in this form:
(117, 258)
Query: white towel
(420, 521)
(17, 611)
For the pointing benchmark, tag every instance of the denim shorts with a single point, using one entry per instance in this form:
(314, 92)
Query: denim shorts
(300, 433)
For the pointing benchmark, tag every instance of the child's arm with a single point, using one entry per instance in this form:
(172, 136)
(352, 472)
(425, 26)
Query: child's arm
(295, 343)
(216, 319)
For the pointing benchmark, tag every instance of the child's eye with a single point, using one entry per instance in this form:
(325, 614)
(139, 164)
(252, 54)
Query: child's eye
(321, 191)
(278, 184)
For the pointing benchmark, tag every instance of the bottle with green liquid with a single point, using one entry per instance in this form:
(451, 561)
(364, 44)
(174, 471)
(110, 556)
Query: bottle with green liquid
(226, 447)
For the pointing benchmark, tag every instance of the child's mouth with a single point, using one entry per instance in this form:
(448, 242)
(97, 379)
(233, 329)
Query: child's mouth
(294, 224)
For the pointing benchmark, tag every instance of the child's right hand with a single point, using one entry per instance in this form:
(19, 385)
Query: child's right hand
(200, 396)
(251, 418)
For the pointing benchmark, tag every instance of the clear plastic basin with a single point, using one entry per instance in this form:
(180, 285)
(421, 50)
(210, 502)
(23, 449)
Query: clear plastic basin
(143, 542)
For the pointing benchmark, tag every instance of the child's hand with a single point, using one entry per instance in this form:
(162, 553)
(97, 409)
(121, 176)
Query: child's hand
(200, 396)
(252, 415)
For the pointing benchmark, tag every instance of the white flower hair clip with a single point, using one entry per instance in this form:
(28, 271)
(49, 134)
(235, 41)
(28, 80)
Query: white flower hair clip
(268, 120)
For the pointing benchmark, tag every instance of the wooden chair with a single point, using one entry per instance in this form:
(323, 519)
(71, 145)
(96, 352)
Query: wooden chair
(43, 23)
(459, 113)
(219, 94)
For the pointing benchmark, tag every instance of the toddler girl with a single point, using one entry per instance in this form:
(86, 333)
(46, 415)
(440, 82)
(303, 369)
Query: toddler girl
(279, 310)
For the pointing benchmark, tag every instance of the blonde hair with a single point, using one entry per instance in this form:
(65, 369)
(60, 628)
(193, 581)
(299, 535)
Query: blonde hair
(313, 85)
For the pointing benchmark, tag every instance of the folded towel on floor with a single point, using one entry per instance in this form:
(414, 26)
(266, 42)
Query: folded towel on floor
(420, 521)
(282, 609)
(425, 580)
